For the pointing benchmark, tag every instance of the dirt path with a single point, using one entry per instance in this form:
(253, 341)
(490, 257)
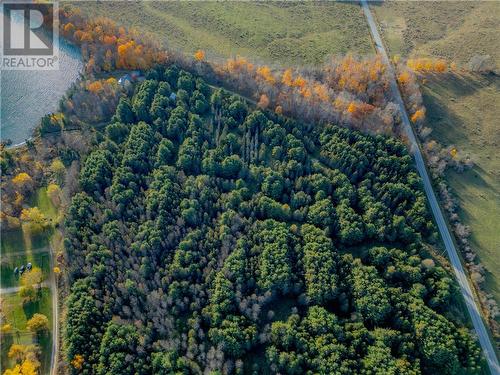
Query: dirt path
(15, 289)
(35, 251)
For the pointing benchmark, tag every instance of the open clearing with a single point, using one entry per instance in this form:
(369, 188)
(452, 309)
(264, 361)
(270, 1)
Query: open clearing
(455, 31)
(462, 109)
(275, 32)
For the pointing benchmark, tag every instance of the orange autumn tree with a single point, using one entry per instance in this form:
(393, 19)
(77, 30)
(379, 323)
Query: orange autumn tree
(354, 75)
(306, 92)
(69, 29)
(440, 66)
(418, 115)
(109, 39)
(358, 110)
(199, 55)
(321, 92)
(106, 46)
(95, 86)
(263, 101)
(287, 77)
(125, 54)
(237, 65)
(265, 73)
(302, 85)
(427, 65)
(404, 78)
(299, 82)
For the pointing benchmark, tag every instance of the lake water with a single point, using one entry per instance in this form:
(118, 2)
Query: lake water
(26, 96)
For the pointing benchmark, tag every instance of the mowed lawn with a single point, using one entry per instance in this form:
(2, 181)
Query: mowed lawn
(10, 262)
(291, 33)
(17, 315)
(18, 247)
(462, 109)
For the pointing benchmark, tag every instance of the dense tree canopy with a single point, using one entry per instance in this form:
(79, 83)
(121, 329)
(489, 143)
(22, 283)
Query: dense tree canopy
(211, 237)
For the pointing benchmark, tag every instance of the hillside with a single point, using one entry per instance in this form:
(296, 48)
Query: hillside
(213, 236)
(454, 30)
(465, 118)
(275, 32)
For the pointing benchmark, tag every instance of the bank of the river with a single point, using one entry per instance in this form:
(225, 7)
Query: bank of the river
(26, 96)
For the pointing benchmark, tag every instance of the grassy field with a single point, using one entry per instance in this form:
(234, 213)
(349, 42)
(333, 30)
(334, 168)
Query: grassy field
(20, 247)
(274, 32)
(17, 315)
(9, 262)
(41, 200)
(448, 29)
(15, 241)
(461, 112)
(462, 109)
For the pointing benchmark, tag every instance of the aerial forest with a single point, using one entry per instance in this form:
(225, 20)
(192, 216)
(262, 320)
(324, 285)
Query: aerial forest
(211, 236)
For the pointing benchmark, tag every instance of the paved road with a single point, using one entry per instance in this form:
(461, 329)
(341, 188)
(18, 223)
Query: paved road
(473, 309)
(55, 317)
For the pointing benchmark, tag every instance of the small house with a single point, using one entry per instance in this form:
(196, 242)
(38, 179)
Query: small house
(124, 79)
(133, 76)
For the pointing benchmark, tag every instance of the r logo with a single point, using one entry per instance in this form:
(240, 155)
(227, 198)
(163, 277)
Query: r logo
(29, 38)
(34, 36)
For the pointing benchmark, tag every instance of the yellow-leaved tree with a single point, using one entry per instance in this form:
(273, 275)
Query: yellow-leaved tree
(27, 367)
(23, 182)
(26, 357)
(58, 169)
(35, 218)
(32, 278)
(39, 323)
(78, 361)
(54, 194)
(17, 352)
(6, 329)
